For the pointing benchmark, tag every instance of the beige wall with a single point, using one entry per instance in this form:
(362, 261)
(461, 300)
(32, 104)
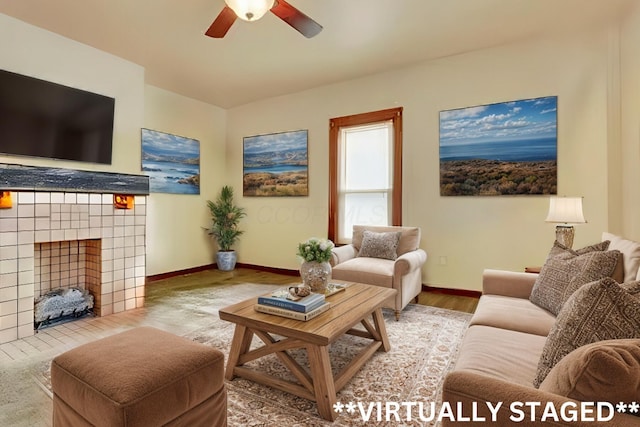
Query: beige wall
(175, 237)
(29, 50)
(473, 233)
(594, 75)
(630, 134)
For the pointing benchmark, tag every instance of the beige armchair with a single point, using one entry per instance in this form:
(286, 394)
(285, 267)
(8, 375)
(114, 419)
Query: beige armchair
(403, 274)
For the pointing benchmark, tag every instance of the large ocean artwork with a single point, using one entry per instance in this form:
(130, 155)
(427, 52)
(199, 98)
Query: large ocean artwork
(509, 148)
(172, 162)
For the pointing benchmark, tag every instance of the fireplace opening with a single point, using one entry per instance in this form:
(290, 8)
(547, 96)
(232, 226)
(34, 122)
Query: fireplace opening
(67, 280)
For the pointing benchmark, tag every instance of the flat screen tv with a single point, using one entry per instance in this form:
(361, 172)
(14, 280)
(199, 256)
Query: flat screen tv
(44, 119)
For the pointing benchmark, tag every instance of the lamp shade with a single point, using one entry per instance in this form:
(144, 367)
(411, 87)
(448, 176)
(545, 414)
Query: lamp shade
(250, 10)
(566, 210)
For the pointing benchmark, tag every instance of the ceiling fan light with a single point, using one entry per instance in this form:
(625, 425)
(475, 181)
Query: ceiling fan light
(250, 10)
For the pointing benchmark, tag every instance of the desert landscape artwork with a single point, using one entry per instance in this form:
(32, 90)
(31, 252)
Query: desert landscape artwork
(276, 164)
(508, 148)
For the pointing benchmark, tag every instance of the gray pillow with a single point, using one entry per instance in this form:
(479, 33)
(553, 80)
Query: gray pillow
(380, 245)
(567, 270)
(602, 310)
(560, 249)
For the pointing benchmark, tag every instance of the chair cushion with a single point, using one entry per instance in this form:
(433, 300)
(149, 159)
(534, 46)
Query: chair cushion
(409, 240)
(372, 271)
(602, 310)
(523, 315)
(566, 270)
(518, 353)
(630, 254)
(602, 371)
(379, 245)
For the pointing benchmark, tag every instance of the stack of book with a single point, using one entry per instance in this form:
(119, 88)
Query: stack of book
(280, 304)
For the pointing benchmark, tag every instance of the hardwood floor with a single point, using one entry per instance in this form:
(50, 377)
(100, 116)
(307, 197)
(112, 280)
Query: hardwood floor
(451, 302)
(242, 275)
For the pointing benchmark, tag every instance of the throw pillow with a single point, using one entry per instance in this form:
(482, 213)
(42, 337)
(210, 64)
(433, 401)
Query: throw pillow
(560, 249)
(598, 311)
(630, 254)
(379, 245)
(566, 270)
(606, 370)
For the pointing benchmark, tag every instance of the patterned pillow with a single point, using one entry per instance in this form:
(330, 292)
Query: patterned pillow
(566, 270)
(602, 310)
(560, 249)
(379, 245)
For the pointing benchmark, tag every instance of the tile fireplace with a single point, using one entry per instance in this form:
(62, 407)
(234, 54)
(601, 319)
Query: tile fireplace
(54, 236)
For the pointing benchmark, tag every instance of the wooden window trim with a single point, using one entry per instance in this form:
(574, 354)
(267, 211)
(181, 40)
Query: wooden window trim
(393, 114)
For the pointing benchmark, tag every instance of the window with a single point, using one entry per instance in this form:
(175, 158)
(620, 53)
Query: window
(365, 172)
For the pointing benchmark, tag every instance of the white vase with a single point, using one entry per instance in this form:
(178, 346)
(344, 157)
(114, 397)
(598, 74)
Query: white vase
(315, 275)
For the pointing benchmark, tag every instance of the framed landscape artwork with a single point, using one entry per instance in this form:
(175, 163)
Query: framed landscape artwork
(276, 164)
(509, 148)
(172, 162)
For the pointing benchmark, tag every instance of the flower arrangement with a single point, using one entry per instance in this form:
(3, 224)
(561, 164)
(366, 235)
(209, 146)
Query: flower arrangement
(315, 249)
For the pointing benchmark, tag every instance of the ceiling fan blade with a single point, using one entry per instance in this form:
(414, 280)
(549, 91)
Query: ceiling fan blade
(298, 20)
(223, 22)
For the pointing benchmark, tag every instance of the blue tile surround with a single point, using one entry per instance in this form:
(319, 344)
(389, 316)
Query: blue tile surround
(36, 178)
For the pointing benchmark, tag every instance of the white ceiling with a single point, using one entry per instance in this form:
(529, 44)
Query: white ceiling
(268, 58)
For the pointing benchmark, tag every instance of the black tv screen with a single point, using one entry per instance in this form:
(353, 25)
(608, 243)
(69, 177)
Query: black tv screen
(44, 119)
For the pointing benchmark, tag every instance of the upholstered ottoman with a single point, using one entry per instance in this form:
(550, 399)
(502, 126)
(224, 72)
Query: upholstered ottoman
(142, 377)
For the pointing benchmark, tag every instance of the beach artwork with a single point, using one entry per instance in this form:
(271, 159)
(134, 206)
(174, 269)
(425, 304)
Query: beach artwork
(276, 164)
(172, 162)
(510, 148)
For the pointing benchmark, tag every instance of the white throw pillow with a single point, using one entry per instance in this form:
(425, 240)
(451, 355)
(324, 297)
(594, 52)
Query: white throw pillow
(630, 254)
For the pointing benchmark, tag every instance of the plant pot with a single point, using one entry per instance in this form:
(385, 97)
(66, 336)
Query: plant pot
(226, 260)
(315, 275)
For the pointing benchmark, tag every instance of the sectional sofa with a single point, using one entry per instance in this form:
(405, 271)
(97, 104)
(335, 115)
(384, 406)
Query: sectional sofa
(557, 348)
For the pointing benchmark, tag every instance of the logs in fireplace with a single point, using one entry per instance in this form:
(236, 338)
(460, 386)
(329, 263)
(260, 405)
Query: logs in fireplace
(61, 304)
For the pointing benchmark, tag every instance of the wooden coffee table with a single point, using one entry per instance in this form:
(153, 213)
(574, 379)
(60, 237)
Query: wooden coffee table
(358, 303)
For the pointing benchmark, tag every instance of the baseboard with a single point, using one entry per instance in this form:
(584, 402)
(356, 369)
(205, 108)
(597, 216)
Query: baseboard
(283, 271)
(213, 266)
(450, 291)
(170, 274)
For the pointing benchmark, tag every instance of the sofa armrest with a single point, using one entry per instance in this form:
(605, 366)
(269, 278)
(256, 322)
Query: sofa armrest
(508, 283)
(410, 261)
(340, 254)
(472, 389)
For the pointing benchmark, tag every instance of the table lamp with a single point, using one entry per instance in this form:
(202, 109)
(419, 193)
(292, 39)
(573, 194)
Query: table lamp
(565, 211)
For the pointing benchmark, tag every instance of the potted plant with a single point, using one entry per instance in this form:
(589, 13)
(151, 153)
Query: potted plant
(225, 217)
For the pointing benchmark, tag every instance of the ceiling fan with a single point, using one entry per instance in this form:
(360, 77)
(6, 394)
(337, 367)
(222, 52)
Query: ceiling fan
(252, 10)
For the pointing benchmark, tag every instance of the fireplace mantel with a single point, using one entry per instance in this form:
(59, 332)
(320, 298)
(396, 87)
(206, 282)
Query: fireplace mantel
(35, 178)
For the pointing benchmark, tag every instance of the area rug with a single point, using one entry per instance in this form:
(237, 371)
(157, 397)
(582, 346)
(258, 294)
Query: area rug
(424, 346)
